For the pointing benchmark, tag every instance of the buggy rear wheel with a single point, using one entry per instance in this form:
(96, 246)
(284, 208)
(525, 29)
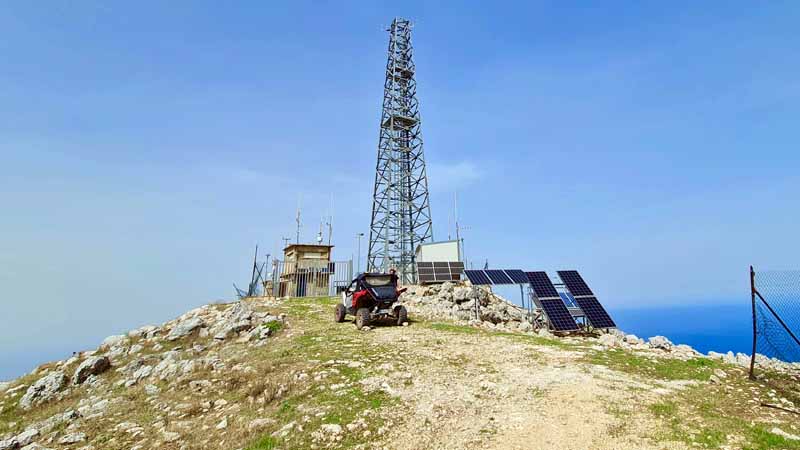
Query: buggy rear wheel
(362, 318)
(402, 315)
(340, 313)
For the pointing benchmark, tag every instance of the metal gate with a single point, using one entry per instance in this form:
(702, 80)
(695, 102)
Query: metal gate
(309, 278)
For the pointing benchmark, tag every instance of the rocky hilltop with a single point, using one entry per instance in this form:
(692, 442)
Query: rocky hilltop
(469, 371)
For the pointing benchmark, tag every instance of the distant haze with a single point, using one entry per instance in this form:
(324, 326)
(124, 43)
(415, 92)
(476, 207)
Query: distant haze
(145, 148)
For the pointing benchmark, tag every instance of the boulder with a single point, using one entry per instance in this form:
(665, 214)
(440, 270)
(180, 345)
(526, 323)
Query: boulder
(632, 339)
(27, 436)
(95, 365)
(231, 329)
(43, 390)
(683, 348)
(609, 340)
(113, 341)
(184, 328)
(240, 312)
(660, 342)
(743, 359)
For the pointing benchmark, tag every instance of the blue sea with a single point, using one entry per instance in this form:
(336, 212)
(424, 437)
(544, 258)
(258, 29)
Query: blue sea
(720, 327)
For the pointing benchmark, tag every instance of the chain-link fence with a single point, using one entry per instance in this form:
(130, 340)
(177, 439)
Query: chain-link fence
(776, 315)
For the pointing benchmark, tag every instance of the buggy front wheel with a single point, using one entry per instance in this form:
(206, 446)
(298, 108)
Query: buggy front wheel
(340, 313)
(362, 318)
(402, 315)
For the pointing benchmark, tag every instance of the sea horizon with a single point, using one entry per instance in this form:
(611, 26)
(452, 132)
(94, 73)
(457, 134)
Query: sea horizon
(719, 327)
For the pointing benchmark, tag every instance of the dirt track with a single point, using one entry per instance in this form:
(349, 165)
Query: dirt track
(497, 392)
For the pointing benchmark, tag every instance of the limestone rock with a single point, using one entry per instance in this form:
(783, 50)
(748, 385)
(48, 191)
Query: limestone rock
(609, 340)
(632, 339)
(43, 390)
(545, 333)
(184, 328)
(113, 341)
(223, 424)
(257, 424)
(785, 435)
(34, 446)
(26, 437)
(72, 438)
(170, 436)
(95, 365)
(660, 342)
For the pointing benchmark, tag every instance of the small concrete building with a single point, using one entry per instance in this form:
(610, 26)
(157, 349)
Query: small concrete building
(445, 251)
(306, 270)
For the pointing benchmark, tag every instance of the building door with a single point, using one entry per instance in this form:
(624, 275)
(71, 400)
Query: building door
(301, 284)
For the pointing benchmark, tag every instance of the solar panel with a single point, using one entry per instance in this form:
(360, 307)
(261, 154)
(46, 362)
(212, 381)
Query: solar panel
(477, 277)
(541, 284)
(439, 271)
(498, 277)
(574, 282)
(595, 312)
(558, 315)
(517, 276)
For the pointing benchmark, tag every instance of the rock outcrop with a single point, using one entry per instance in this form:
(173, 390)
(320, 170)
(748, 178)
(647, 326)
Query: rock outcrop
(95, 365)
(476, 304)
(43, 390)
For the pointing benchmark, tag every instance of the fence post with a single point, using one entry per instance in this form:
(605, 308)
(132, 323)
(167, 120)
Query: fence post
(755, 331)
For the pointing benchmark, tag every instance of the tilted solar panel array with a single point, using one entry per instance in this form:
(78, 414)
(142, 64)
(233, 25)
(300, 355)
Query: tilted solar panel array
(595, 312)
(541, 284)
(584, 297)
(477, 277)
(496, 276)
(517, 276)
(574, 282)
(439, 272)
(552, 305)
(558, 314)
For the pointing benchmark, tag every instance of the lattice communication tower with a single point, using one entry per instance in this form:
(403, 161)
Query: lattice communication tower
(401, 216)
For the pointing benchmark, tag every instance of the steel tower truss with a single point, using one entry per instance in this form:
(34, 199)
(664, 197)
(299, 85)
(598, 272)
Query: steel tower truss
(401, 216)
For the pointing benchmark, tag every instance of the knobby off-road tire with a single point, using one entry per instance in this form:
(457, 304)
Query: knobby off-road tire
(340, 313)
(362, 318)
(402, 315)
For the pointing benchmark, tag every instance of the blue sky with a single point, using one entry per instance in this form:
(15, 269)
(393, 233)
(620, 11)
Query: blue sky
(146, 147)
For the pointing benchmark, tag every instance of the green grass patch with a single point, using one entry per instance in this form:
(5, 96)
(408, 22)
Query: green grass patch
(699, 369)
(705, 419)
(664, 409)
(265, 443)
(273, 326)
(452, 328)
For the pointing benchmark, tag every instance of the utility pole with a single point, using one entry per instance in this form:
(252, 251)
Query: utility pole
(286, 242)
(358, 261)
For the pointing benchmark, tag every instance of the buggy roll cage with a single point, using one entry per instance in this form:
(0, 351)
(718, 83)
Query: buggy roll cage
(360, 282)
